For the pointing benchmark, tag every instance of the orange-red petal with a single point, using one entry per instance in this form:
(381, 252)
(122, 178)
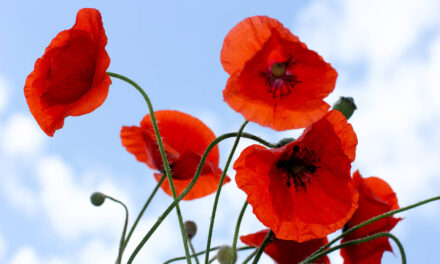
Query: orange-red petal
(250, 49)
(326, 203)
(375, 197)
(247, 38)
(183, 132)
(286, 251)
(70, 78)
(185, 139)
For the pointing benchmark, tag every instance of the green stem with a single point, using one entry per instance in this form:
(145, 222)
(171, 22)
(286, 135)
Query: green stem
(355, 242)
(219, 189)
(124, 230)
(191, 246)
(193, 255)
(201, 253)
(164, 157)
(263, 245)
(237, 229)
(191, 185)
(374, 219)
(143, 209)
(250, 256)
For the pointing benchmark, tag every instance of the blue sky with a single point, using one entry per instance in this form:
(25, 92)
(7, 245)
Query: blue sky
(387, 54)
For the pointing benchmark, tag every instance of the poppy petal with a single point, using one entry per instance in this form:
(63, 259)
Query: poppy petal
(246, 38)
(286, 251)
(205, 185)
(185, 139)
(375, 197)
(183, 132)
(142, 144)
(70, 78)
(275, 80)
(345, 132)
(303, 190)
(382, 190)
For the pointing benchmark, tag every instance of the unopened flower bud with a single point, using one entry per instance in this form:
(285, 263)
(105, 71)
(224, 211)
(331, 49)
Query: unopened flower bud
(97, 198)
(284, 141)
(224, 255)
(190, 229)
(345, 105)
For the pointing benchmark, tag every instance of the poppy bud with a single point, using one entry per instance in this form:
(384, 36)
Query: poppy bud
(190, 229)
(284, 141)
(346, 106)
(97, 198)
(224, 255)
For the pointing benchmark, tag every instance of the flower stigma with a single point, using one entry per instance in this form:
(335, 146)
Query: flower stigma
(297, 166)
(279, 78)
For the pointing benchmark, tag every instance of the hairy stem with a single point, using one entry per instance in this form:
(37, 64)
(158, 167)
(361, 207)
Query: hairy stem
(355, 242)
(237, 229)
(219, 189)
(164, 157)
(192, 183)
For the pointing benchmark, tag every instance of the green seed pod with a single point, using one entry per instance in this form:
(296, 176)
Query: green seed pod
(345, 105)
(284, 141)
(224, 255)
(190, 229)
(97, 198)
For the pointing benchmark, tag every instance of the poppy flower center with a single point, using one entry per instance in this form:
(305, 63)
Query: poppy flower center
(278, 69)
(280, 79)
(297, 166)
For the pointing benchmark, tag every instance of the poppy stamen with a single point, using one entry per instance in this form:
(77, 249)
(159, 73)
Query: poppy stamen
(280, 79)
(298, 166)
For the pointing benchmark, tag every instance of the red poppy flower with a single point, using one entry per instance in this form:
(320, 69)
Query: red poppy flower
(185, 139)
(70, 78)
(275, 80)
(303, 190)
(375, 197)
(286, 251)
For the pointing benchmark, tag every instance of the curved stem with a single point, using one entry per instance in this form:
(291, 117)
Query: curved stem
(219, 189)
(263, 245)
(201, 253)
(159, 183)
(124, 230)
(250, 256)
(358, 241)
(162, 153)
(191, 246)
(237, 229)
(191, 185)
(374, 219)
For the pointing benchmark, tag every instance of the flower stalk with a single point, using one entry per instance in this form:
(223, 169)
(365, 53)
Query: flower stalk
(164, 157)
(217, 194)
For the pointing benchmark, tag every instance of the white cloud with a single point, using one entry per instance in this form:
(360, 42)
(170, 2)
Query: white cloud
(398, 97)
(66, 202)
(375, 31)
(96, 251)
(3, 94)
(28, 255)
(22, 136)
(15, 191)
(165, 243)
(3, 248)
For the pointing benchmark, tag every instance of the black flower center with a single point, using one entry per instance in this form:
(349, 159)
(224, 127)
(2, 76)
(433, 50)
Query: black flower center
(297, 166)
(279, 79)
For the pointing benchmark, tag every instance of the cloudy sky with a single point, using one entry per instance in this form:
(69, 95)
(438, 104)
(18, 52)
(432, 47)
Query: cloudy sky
(387, 54)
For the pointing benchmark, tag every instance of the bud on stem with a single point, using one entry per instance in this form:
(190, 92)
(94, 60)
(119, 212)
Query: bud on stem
(97, 198)
(224, 255)
(346, 106)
